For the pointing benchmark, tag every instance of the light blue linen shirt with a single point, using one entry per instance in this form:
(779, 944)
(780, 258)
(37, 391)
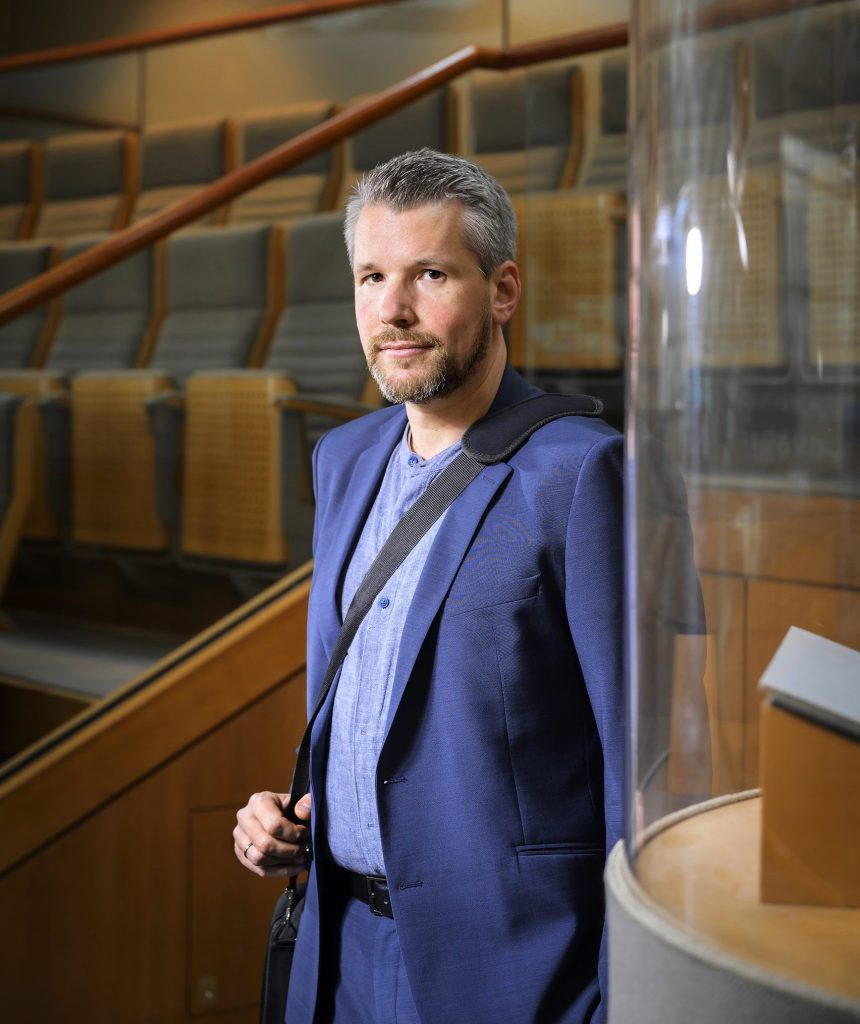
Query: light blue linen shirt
(363, 692)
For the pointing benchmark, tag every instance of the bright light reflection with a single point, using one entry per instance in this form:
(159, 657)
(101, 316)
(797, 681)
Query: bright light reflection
(694, 261)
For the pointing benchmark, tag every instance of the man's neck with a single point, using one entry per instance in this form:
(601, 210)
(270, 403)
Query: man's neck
(436, 425)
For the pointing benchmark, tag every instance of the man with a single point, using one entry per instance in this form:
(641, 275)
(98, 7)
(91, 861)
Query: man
(471, 751)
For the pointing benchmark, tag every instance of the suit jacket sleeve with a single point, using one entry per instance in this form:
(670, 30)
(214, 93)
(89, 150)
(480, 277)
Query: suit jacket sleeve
(594, 594)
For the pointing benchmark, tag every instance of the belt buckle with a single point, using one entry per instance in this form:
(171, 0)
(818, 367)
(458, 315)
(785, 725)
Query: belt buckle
(377, 896)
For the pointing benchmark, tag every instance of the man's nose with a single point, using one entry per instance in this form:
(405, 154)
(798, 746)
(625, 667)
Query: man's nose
(395, 305)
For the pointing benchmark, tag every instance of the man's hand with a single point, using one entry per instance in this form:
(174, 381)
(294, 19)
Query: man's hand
(266, 842)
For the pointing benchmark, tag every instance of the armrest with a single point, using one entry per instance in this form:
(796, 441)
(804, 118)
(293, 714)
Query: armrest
(8, 408)
(166, 412)
(167, 399)
(55, 412)
(343, 409)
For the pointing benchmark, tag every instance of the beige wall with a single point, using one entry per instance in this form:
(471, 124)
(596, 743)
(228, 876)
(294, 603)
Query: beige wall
(337, 57)
(40, 24)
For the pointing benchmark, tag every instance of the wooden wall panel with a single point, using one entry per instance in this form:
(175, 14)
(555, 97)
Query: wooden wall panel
(112, 910)
(228, 912)
(805, 538)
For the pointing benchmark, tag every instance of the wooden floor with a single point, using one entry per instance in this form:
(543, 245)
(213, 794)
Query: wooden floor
(704, 872)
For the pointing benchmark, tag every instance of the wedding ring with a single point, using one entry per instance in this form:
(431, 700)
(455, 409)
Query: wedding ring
(248, 847)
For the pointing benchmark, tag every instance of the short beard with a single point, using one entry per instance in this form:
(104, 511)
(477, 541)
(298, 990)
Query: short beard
(443, 375)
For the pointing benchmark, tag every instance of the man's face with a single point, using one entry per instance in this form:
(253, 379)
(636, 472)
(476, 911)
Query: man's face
(422, 305)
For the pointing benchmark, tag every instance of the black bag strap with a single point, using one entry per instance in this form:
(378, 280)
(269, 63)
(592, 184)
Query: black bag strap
(492, 439)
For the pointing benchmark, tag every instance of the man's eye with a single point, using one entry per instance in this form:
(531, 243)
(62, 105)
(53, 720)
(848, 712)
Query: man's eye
(373, 278)
(434, 275)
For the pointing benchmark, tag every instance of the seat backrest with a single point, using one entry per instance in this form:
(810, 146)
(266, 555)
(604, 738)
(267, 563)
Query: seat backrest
(605, 166)
(430, 121)
(306, 188)
(223, 290)
(695, 136)
(526, 127)
(177, 159)
(316, 340)
(22, 341)
(89, 181)
(108, 321)
(20, 187)
(806, 84)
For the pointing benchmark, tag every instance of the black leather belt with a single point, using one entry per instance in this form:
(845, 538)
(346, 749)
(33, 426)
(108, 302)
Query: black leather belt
(372, 890)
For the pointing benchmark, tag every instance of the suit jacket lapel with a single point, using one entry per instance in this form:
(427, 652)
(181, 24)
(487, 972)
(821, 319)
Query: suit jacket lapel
(450, 547)
(362, 488)
(446, 553)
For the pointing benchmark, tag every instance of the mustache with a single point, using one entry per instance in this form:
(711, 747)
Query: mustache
(398, 334)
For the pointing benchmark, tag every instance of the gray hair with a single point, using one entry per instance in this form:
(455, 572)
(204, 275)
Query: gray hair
(427, 177)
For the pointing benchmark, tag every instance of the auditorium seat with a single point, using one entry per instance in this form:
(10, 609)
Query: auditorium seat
(832, 216)
(223, 292)
(20, 188)
(23, 342)
(572, 250)
(307, 188)
(89, 186)
(605, 164)
(814, 97)
(733, 320)
(110, 321)
(807, 111)
(526, 128)
(107, 322)
(430, 121)
(702, 138)
(247, 495)
(178, 159)
(18, 429)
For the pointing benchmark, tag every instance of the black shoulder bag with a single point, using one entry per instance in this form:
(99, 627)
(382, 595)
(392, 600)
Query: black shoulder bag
(492, 439)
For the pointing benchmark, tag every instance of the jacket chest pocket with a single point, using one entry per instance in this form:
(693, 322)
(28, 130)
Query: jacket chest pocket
(474, 593)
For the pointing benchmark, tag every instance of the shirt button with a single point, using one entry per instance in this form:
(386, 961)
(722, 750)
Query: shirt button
(383, 602)
(413, 460)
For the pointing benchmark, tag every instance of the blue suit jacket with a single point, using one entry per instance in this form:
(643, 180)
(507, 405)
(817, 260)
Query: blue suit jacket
(500, 780)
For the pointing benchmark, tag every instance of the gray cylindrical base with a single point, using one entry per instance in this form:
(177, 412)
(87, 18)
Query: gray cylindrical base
(659, 974)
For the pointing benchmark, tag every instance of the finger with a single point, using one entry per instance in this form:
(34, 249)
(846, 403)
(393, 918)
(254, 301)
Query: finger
(262, 849)
(270, 816)
(268, 854)
(268, 870)
(266, 849)
(263, 815)
(303, 808)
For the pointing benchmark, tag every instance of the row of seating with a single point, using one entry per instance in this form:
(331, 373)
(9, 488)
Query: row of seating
(526, 128)
(111, 439)
(160, 337)
(274, 298)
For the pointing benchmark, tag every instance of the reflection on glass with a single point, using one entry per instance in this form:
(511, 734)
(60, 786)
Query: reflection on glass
(745, 298)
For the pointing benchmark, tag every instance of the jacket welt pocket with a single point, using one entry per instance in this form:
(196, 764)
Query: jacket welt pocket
(580, 849)
(467, 599)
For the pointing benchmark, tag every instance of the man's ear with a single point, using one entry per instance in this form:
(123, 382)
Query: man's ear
(507, 289)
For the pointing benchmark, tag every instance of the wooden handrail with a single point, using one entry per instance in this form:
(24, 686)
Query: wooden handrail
(125, 243)
(184, 33)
